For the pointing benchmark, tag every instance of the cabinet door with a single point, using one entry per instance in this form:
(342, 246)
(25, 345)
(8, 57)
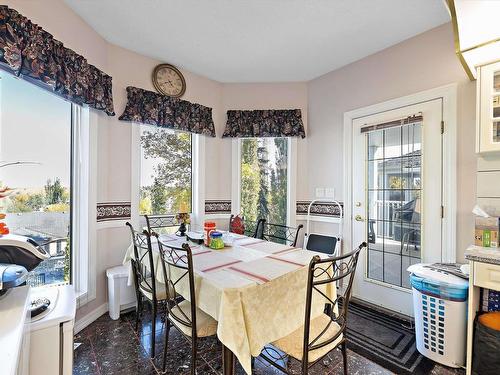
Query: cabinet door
(489, 108)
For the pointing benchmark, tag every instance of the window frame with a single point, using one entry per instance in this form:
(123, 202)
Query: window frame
(291, 183)
(83, 171)
(197, 176)
(84, 203)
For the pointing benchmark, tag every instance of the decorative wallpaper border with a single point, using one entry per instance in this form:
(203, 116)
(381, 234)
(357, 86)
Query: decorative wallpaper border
(217, 206)
(109, 211)
(327, 209)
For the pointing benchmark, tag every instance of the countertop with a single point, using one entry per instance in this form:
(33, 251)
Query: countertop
(483, 254)
(64, 306)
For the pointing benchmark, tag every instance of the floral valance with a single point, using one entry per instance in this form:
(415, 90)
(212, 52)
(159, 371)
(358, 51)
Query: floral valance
(147, 107)
(30, 52)
(264, 123)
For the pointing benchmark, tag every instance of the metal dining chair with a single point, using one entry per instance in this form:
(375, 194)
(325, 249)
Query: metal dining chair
(278, 233)
(254, 229)
(148, 289)
(318, 336)
(193, 323)
(159, 223)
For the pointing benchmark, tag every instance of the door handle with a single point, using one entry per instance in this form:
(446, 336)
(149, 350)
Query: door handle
(359, 218)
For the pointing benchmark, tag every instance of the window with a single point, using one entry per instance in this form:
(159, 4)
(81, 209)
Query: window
(165, 171)
(35, 154)
(264, 179)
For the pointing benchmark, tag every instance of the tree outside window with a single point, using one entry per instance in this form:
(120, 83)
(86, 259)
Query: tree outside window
(166, 171)
(264, 179)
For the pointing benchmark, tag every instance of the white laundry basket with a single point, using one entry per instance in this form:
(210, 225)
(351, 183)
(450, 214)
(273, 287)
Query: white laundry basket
(121, 296)
(440, 307)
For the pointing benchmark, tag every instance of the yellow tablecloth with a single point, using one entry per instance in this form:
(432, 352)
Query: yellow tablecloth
(255, 290)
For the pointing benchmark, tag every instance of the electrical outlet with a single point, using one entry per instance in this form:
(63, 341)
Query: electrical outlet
(320, 192)
(330, 193)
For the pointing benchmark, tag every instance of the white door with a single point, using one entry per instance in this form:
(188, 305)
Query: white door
(397, 199)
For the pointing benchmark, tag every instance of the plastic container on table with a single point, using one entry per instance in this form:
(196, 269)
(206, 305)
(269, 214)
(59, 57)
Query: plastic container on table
(216, 241)
(208, 228)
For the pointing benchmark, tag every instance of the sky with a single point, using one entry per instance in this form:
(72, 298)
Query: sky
(35, 125)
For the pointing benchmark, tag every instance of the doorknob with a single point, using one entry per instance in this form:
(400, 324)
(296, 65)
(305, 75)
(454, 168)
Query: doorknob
(359, 218)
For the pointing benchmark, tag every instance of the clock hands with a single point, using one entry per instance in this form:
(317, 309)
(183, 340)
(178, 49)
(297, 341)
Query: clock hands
(169, 80)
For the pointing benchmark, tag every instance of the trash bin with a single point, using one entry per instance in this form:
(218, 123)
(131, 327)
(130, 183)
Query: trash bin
(485, 358)
(440, 307)
(120, 295)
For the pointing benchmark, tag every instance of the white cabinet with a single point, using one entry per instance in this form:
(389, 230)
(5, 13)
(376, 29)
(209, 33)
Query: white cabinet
(14, 331)
(488, 109)
(51, 346)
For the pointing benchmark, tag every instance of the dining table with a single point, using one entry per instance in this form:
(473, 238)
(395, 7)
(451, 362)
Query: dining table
(254, 289)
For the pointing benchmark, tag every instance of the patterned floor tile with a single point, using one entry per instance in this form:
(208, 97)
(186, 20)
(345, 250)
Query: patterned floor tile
(85, 361)
(114, 347)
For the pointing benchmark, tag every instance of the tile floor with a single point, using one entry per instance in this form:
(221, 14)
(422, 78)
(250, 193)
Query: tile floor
(113, 347)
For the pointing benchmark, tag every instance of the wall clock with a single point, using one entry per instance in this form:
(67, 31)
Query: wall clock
(168, 80)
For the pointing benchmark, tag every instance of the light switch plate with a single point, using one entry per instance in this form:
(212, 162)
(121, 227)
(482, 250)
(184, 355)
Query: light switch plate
(320, 192)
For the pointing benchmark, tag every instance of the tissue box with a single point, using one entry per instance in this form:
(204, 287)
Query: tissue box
(487, 230)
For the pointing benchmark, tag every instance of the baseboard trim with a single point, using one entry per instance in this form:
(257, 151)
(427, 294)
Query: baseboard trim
(91, 317)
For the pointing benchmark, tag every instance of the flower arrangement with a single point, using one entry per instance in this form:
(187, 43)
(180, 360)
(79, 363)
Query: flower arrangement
(183, 219)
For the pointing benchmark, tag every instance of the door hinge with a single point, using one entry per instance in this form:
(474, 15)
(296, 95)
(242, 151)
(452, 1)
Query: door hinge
(442, 127)
(442, 212)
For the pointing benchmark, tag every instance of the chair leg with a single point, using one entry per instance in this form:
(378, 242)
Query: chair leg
(138, 310)
(167, 330)
(193, 355)
(344, 356)
(153, 329)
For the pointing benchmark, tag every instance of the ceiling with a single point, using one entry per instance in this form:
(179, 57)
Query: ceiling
(259, 40)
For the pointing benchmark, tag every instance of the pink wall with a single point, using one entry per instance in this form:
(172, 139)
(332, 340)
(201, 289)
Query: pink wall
(114, 137)
(420, 63)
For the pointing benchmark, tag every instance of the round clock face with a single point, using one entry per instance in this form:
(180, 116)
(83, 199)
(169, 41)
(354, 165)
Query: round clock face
(168, 80)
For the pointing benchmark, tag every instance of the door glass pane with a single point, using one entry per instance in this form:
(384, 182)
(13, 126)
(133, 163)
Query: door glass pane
(393, 202)
(392, 142)
(264, 180)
